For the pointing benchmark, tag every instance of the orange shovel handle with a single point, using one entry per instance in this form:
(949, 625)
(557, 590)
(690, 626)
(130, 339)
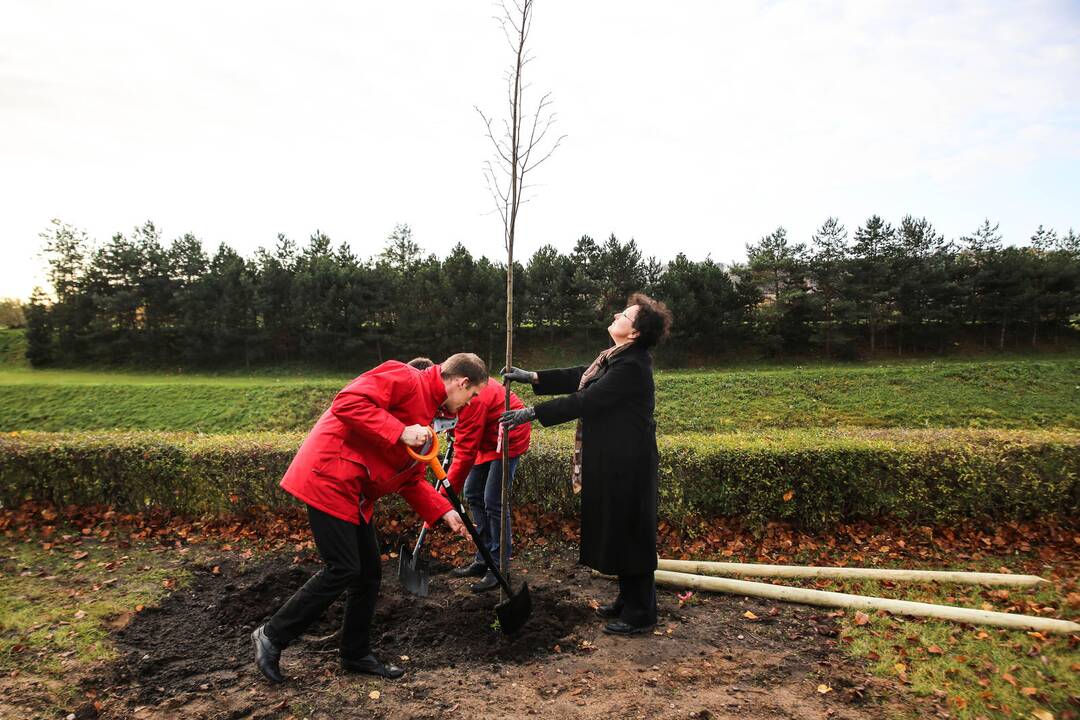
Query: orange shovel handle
(431, 457)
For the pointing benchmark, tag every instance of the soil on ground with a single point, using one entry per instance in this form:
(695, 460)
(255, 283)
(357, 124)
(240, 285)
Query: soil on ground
(192, 656)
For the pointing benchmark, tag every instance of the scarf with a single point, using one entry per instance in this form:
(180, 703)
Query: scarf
(598, 365)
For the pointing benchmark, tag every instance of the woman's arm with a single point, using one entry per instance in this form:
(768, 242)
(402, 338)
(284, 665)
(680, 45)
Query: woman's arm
(558, 381)
(622, 380)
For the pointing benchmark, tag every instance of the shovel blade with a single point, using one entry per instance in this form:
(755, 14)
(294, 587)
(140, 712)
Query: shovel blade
(412, 573)
(514, 612)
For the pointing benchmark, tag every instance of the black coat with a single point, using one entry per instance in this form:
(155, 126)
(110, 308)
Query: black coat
(619, 458)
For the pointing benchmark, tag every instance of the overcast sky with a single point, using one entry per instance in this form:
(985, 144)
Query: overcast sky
(691, 126)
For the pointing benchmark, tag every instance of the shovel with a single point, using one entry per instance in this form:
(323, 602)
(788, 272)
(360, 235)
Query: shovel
(513, 612)
(412, 567)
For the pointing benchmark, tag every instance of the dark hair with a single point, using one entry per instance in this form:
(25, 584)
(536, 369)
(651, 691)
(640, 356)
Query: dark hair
(653, 321)
(466, 365)
(421, 363)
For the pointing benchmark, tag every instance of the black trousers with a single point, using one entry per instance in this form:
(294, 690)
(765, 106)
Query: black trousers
(353, 566)
(637, 599)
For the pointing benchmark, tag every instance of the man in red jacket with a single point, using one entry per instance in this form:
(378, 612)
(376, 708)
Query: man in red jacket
(354, 455)
(477, 467)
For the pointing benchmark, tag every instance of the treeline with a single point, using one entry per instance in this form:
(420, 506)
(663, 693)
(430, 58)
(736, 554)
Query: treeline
(138, 300)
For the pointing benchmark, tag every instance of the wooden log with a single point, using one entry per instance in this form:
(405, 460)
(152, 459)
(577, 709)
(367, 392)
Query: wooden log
(731, 569)
(666, 578)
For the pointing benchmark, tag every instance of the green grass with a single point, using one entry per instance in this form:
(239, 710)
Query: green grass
(1013, 393)
(58, 608)
(974, 671)
(12, 348)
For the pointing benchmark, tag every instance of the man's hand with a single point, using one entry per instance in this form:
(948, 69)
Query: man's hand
(415, 436)
(514, 374)
(512, 418)
(453, 520)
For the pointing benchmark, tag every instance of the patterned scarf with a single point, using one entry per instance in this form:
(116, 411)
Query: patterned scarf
(599, 364)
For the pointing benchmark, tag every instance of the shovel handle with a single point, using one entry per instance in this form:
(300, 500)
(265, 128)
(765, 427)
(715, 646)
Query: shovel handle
(484, 552)
(431, 457)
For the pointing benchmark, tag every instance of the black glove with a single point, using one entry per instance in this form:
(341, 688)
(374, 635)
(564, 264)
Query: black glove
(518, 375)
(512, 418)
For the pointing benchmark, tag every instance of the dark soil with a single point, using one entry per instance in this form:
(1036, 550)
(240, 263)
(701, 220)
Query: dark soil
(192, 656)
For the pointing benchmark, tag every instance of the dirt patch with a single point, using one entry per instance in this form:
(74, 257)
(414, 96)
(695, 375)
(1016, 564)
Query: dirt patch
(191, 657)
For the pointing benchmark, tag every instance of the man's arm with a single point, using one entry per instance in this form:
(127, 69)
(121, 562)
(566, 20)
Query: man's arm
(363, 406)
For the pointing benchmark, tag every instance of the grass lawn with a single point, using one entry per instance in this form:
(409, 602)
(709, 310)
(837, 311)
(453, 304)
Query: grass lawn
(1014, 393)
(59, 600)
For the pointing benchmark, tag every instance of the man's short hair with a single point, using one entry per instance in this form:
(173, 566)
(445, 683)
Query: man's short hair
(466, 365)
(421, 363)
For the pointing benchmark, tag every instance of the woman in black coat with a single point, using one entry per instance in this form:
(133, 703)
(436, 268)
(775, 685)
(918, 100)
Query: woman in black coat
(615, 456)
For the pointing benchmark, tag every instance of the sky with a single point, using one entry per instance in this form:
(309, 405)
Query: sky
(691, 126)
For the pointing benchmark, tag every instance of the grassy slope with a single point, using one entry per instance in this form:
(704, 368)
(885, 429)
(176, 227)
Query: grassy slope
(1028, 393)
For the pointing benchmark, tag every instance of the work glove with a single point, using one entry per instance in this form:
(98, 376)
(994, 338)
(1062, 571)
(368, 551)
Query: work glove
(518, 375)
(512, 418)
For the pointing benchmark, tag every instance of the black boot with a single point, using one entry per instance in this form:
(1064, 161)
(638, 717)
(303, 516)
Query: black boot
(611, 611)
(474, 569)
(371, 665)
(267, 655)
(618, 627)
(488, 582)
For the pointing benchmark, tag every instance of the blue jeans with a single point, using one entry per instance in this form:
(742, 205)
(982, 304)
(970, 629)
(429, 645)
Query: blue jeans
(483, 493)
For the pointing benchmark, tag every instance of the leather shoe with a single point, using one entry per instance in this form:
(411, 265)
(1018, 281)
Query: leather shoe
(611, 611)
(488, 582)
(476, 569)
(371, 665)
(267, 655)
(618, 627)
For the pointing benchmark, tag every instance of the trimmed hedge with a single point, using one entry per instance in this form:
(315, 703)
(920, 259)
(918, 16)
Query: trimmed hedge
(827, 475)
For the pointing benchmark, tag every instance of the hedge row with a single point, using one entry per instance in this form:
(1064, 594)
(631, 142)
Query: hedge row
(810, 477)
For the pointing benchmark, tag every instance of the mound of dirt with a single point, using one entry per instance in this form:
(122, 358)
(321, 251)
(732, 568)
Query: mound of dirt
(201, 634)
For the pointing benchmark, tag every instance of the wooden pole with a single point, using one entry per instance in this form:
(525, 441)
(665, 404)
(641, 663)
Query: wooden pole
(728, 569)
(783, 593)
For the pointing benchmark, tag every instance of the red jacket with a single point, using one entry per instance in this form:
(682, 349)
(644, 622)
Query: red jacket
(353, 455)
(476, 436)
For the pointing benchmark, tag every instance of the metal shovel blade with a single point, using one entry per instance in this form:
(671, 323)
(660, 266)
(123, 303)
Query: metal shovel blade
(412, 572)
(514, 612)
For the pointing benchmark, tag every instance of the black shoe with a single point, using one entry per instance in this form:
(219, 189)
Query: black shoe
(618, 627)
(476, 569)
(611, 611)
(267, 655)
(370, 665)
(488, 582)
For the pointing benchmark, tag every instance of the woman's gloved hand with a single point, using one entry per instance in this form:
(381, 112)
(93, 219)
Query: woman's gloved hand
(514, 374)
(512, 418)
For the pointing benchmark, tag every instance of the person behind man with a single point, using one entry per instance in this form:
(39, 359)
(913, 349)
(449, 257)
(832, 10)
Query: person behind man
(477, 467)
(355, 454)
(615, 455)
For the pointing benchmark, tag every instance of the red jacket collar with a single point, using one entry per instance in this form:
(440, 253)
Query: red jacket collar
(433, 376)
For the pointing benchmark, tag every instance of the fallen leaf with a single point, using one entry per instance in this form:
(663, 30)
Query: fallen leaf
(900, 667)
(1029, 691)
(749, 615)
(374, 694)
(79, 555)
(1007, 677)
(824, 689)
(959, 702)
(861, 618)
(80, 614)
(934, 650)
(216, 570)
(787, 497)
(1040, 714)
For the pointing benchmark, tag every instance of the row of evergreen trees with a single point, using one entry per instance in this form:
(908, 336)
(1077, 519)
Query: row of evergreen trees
(896, 290)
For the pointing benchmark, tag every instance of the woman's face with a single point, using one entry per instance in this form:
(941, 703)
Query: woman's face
(621, 328)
